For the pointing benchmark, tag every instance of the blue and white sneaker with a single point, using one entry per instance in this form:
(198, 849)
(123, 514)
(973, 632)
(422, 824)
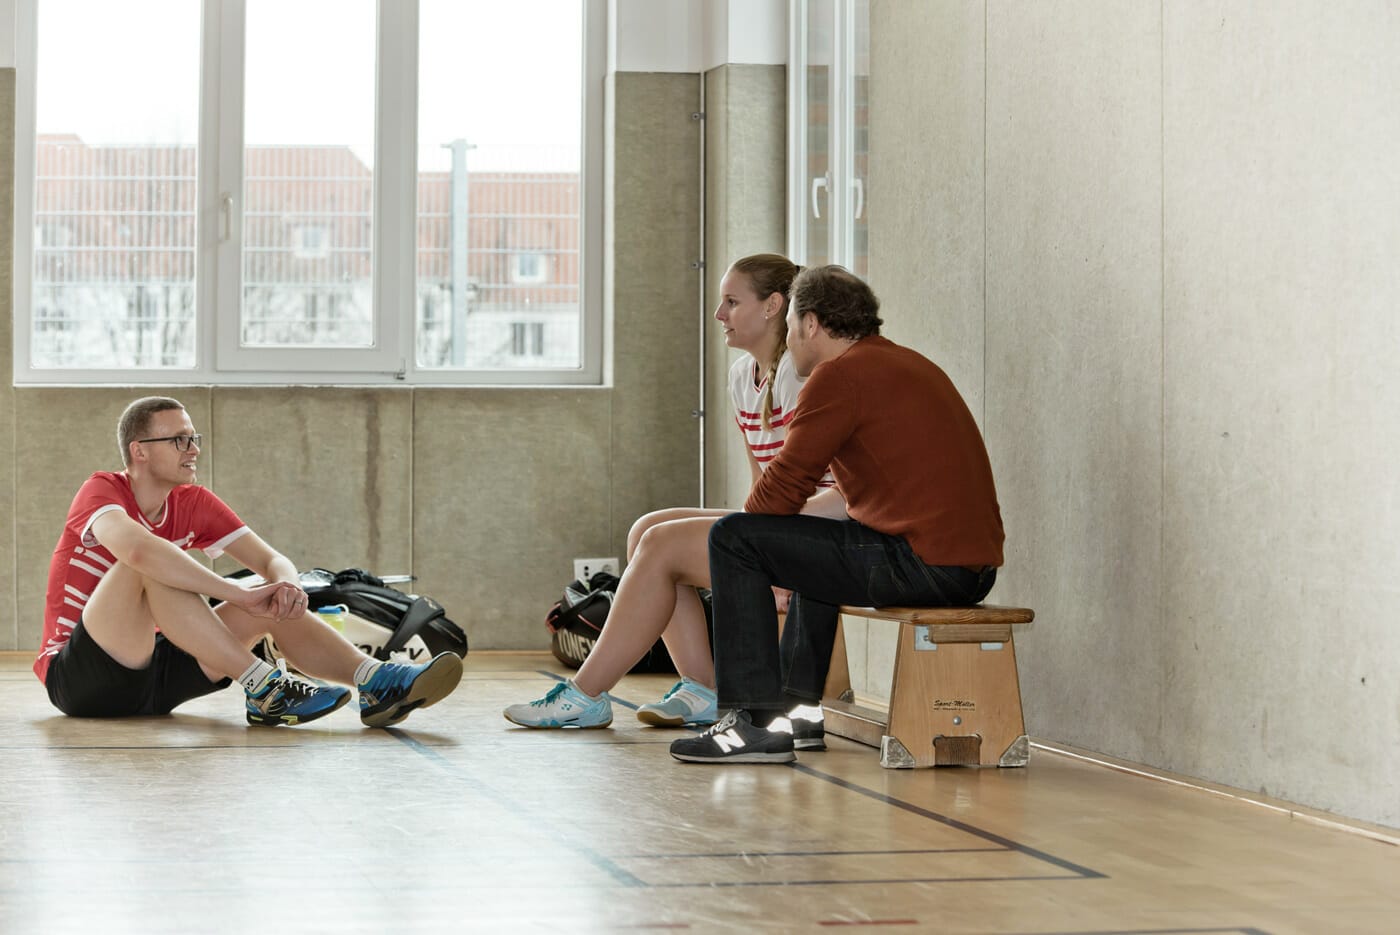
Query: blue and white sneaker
(562, 706)
(286, 699)
(687, 704)
(396, 690)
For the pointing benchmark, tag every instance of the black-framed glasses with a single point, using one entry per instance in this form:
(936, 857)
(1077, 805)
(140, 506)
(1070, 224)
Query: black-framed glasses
(182, 442)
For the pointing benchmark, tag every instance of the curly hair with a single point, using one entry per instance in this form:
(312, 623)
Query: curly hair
(844, 305)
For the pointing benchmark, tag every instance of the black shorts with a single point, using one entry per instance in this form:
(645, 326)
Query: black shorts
(84, 681)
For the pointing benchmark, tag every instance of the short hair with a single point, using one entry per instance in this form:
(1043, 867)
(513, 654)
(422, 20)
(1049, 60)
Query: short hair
(136, 419)
(844, 305)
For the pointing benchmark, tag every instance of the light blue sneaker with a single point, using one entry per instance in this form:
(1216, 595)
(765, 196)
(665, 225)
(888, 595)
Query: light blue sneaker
(562, 706)
(687, 704)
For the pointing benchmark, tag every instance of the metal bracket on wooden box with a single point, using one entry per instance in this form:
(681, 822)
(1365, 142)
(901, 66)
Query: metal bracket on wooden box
(1018, 754)
(894, 755)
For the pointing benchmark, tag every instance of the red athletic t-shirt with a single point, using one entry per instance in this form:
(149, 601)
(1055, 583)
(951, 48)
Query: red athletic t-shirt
(194, 518)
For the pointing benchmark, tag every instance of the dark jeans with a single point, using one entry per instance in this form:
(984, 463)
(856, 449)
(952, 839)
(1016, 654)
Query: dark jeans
(826, 563)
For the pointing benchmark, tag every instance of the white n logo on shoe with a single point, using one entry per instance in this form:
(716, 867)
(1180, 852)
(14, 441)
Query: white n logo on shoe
(729, 741)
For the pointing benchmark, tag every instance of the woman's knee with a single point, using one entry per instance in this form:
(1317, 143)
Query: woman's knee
(679, 549)
(652, 520)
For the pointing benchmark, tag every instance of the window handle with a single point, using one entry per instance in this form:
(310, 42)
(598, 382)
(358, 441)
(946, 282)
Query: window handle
(226, 208)
(860, 195)
(818, 183)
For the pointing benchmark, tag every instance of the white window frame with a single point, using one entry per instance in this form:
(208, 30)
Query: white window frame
(843, 190)
(219, 358)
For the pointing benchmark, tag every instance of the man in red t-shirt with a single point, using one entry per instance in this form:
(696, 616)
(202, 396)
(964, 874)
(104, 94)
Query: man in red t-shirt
(923, 525)
(128, 629)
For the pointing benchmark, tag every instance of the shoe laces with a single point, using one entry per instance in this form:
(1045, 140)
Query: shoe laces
(674, 689)
(550, 696)
(723, 724)
(294, 690)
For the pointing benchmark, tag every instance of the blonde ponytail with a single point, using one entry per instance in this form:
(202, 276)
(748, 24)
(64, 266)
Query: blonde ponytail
(769, 273)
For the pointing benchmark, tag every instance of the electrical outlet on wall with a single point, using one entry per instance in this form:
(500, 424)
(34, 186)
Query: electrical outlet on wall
(585, 568)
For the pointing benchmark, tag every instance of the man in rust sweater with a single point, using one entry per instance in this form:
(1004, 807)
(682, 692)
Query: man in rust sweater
(923, 524)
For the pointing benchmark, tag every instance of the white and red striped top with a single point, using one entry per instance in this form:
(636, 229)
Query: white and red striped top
(746, 392)
(194, 518)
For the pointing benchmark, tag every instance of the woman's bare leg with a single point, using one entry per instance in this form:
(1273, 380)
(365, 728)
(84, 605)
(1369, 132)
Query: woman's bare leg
(667, 555)
(688, 637)
(657, 517)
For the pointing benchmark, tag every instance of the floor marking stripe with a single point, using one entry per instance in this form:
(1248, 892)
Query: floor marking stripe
(882, 853)
(952, 823)
(593, 857)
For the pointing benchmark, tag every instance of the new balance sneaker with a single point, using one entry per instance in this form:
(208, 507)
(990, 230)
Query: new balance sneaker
(286, 699)
(735, 739)
(687, 704)
(562, 706)
(396, 690)
(808, 728)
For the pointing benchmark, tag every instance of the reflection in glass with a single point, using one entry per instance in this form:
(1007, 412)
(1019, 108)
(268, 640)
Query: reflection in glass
(114, 193)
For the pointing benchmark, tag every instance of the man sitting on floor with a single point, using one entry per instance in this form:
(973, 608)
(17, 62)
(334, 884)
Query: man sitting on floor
(120, 572)
(924, 526)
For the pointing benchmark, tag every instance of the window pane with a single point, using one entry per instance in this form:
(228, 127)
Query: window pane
(860, 131)
(499, 181)
(308, 174)
(821, 48)
(117, 118)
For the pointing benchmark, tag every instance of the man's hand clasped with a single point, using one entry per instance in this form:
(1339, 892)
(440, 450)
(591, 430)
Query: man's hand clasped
(276, 599)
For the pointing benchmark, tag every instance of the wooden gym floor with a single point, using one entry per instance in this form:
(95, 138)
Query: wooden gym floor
(460, 822)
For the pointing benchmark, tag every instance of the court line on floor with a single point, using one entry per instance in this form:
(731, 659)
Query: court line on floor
(445, 764)
(1005, 843)
(1036, 853)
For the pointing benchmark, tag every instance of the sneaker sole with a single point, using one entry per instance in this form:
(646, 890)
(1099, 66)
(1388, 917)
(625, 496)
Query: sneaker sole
(809, 744)
(657, 719)
(786, 756)
(292, 720)
(438, 681)
(557, 725)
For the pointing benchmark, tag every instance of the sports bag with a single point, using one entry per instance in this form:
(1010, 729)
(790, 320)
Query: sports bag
(381, 621)
(384, 621)
(577, 620)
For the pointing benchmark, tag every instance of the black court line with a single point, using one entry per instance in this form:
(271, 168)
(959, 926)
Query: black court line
(1003, 843)
(881, 881)
(568, 840)
(881, 853)
(1007, 843)
(1225, 931)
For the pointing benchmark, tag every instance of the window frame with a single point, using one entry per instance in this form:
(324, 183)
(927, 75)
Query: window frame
(844, 189)
(219, 359)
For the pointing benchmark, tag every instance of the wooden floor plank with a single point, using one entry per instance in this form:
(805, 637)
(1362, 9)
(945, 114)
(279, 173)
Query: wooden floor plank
(460, 822)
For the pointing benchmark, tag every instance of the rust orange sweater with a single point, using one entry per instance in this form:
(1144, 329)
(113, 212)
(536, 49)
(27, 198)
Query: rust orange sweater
(904, 449)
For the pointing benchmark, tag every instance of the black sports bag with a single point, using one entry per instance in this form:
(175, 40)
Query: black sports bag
(576, 622)
(403, 616)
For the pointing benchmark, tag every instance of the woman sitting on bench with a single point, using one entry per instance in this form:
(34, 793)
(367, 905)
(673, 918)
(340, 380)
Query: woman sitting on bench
(667, 551)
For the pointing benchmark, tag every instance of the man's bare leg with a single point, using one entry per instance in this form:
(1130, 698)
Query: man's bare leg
(126, 606)
(308, 642)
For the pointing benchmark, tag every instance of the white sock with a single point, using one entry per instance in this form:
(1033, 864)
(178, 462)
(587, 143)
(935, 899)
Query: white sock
(584, 693)
(365, 670)
(257, 676)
